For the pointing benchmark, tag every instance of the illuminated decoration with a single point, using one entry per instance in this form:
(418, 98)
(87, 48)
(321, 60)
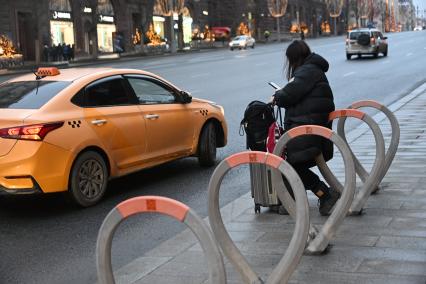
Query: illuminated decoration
(334, 7)
(137, 37)
(153, 37)
(208, 35)
(243, 29)
(325, 27)
(6, 47)
(8, 55)
(387, 26)
(294, 28)
(277, 8)
(169, 7)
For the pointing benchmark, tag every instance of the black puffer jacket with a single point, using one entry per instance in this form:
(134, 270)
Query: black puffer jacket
(307, 99)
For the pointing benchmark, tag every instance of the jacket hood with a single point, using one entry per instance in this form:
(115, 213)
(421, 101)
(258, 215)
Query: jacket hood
(317, 60)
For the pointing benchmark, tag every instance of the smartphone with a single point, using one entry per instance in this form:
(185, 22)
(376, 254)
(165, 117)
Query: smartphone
(273, 85)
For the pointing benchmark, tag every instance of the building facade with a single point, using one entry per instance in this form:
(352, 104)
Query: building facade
(94, 27)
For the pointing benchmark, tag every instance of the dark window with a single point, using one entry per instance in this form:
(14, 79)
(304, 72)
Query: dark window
(149, 92)
(107, 93)
(29, 94)
(355, 35)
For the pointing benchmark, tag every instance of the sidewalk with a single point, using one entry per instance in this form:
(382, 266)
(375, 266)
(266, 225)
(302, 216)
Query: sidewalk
(101, 60)
(387, 244)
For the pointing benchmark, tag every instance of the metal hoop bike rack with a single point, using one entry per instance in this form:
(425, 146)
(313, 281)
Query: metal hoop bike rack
(394, 142)
(291, 258)
(319, 239)
(165, 206)
(373, 178)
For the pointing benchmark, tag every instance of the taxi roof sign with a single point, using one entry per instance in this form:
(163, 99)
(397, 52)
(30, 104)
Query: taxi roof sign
(47, 71)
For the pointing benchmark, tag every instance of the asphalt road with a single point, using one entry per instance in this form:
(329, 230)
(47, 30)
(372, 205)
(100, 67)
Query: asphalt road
(44, 240)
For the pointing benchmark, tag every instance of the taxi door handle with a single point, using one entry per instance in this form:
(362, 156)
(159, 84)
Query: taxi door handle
(99, 122)
(152, 116)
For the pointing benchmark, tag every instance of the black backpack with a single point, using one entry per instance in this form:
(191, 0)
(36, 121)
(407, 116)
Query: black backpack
(258, 117)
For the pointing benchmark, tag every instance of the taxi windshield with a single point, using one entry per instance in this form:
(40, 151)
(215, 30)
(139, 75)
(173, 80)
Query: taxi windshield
(29, 94)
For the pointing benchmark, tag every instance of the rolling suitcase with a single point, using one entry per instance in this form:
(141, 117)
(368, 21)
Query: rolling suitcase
(261, 187)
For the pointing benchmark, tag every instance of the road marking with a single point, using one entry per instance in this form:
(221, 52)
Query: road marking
(200, 75)
(409, 54)
(348, 74)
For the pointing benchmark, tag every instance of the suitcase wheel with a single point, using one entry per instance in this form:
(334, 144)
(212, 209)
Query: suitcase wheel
(257, 209)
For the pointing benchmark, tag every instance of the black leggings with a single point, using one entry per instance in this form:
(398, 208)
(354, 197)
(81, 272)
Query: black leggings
(310, 180)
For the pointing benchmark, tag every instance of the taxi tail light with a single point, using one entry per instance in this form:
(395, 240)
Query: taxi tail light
(35, 132)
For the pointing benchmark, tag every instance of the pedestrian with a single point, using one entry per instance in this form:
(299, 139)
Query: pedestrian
(308, 99)
(66, 52)
(45, 53)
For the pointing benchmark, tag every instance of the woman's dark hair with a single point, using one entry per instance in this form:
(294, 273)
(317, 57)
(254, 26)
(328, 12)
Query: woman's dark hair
(296, 54)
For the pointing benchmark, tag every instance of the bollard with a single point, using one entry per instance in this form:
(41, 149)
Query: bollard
(393, 145)
(319, 239)
(291, 258)
(165, 206)
(372, 180)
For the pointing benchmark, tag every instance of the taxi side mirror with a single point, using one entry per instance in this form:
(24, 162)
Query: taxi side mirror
(186, 97)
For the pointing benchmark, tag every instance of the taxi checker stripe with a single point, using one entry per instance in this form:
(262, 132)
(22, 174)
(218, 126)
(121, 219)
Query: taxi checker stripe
(367, 103)
(346, 113)
(167, 206)
(254, 157)
(157, 204)
(310, 129)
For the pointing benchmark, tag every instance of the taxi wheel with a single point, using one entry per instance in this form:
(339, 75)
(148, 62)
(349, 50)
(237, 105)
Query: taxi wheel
(207, 146)
(88, 179)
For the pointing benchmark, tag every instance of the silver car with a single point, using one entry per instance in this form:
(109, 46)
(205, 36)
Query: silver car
(242, 41)
(366, 41)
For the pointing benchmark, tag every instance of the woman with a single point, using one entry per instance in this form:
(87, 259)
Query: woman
(308, 99)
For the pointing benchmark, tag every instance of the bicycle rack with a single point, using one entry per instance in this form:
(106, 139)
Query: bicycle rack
(394, 142)
(291, 258)
(165, 206)
(319, 239)
(373, 179)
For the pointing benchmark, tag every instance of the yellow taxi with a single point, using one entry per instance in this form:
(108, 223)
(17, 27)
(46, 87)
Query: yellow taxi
(72, 130)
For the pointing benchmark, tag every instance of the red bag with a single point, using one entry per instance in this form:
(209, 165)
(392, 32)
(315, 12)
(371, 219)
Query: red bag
(274, 133)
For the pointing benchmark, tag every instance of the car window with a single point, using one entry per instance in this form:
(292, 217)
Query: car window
(29, 94)
(355, 35)
(150, 92)
(111, 92)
